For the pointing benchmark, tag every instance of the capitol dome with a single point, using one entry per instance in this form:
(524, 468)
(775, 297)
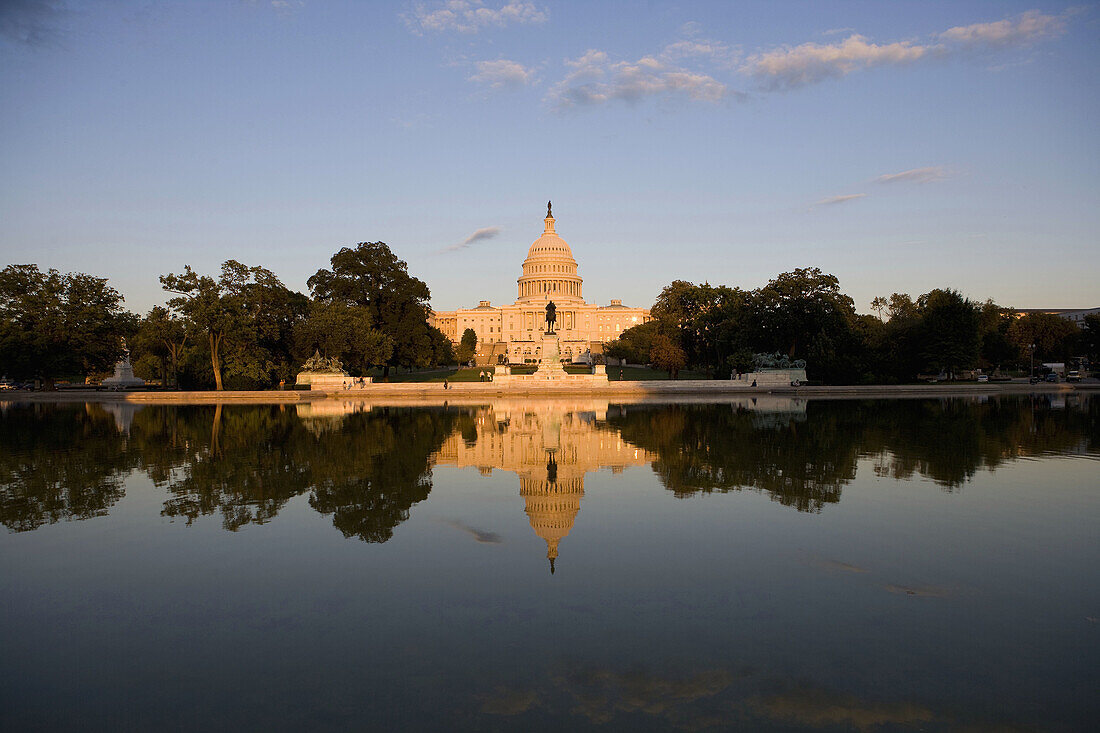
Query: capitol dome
(550, 272)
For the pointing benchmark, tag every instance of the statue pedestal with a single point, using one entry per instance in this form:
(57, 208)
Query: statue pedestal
(550, 360)
(124, 377)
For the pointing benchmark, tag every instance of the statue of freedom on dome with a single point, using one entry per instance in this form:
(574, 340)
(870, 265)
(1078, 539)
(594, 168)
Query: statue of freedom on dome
(551, 317)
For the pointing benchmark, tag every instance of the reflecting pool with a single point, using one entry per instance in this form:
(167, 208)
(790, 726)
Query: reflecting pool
(767, 564)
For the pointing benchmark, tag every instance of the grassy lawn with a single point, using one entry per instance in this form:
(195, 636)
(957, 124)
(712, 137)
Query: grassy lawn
(640, 374)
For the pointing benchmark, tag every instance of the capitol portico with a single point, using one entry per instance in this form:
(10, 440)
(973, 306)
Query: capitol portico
(513, 333)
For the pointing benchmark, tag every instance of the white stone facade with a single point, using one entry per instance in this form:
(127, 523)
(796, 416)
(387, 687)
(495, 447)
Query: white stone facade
(514, 332)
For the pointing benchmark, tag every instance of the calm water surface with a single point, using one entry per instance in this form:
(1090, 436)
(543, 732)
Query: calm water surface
(759, 565)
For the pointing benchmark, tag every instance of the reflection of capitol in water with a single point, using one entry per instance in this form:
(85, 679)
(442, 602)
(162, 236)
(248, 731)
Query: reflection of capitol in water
(550, 446)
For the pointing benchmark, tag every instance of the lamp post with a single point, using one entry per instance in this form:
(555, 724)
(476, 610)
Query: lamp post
(1031, 350)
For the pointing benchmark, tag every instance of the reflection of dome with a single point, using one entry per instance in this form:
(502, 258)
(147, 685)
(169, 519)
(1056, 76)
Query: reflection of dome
(551, 508)
(550, 270)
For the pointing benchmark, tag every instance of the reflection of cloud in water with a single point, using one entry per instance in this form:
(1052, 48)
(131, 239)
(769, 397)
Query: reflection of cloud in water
(927, 591)
(825, 563)
(481, 535)
(716, 699)
(601, 695)
(509, 702)
(817, 708)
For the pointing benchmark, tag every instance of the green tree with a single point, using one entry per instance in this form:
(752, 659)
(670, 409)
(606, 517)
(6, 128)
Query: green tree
(1052, 336)
(804, 314)
(163, 336)
(667, 354)
(949, 331)
(878, 305)
(246, 317)
(372, 277)
(58, 325)
(443, 351)
(343, 331)
(1090, 337)
(467, 346)
(636, 342)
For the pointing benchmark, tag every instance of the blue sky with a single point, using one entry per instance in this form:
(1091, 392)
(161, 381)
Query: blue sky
(900, 146)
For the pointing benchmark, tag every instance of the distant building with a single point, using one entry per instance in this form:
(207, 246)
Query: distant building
(1075, 315)
(514, 332)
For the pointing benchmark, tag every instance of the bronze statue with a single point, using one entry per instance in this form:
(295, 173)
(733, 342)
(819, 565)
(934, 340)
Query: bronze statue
(551, 317)
(549, 215)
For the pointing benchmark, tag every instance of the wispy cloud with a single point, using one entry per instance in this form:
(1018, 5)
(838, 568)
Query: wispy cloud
(479, 236)
(790, 67)
(916, 175)
(833, 200)
(470, 16)
(30, 22)
(1023, 30)
(594, 79)
(708, 50)
(502, 73)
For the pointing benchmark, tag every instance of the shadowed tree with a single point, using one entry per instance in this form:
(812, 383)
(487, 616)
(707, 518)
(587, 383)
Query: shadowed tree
(55, 325)
(343, 331)
(246, 317)
(372, 277)
(666, 354)
(467, 346)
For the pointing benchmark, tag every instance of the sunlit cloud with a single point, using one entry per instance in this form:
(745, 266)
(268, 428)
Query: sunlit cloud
(708, 50)
(916, 175)
(833, 200)
(480, 235)
(790, 68)
(1025, 29)
(502, 73)
(471, 16)
(594, 79)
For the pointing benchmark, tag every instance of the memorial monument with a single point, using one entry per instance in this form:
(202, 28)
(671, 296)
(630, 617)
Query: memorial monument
(124, 373)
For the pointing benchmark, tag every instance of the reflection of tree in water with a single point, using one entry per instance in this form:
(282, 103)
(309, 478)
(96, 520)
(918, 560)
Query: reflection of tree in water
(804, 463)
(949, 440)
(59, 463)
(799, 463)
(366, 470)
(239, 464)
(379, 466)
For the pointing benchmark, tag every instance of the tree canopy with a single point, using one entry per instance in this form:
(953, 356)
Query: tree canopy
(372, 277)
(54, 324)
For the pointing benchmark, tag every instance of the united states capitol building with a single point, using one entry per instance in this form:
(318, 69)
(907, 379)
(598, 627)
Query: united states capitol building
(513, 333)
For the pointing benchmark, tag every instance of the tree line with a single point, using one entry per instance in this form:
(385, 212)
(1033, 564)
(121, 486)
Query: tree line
(803, 314)
(243, 328)
(240, 328)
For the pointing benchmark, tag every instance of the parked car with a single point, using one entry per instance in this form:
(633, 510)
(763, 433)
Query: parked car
(983, 377)
(1052, 377)
(1074, 376)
